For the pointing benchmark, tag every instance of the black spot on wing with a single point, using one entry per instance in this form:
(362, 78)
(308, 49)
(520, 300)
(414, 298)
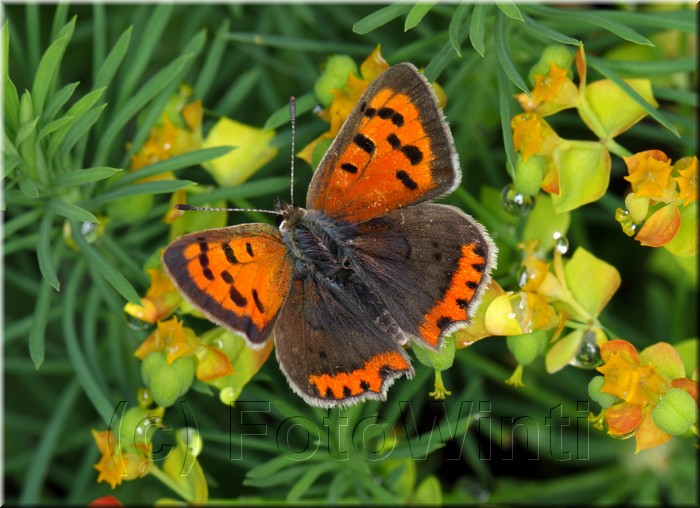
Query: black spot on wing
(364, 143)
(412, 153)
(228, 252)
(350, 168)
(406, 180)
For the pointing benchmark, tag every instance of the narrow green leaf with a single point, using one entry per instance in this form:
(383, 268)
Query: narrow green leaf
(679, 96)
(71, 309)
(59, 20)
(131, 108)
(477, 27)
(504, 102)
(48, 69)
(53, 126)
(380, 18)
(43, 252)
(21, 221)
(441, 60)
(58, 100)
(9, 165)
(156, 187)
(176, 163)
(82, 176)
(416, 14)
(42, 457)
(212, 64)
(510, 9)
(99, 37)
(307, 480)
(141, 54)
(8, 148)
(77, 111)
(114, 59)
(504, 57)
(281, 117)
(638, 69)
(235, 95)
(10, 96)
(26, 130)
(27, 185)
(682, 20)
(621, 29)
(38, 330)
(295, 43)
(256, 188)
(80, 129)
(548, 33)
(109, 272)
(455, 29)
(34, 33)
(71, 211)
(599, 65)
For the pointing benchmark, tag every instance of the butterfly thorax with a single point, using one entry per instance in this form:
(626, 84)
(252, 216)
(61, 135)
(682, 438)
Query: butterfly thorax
(317, 245)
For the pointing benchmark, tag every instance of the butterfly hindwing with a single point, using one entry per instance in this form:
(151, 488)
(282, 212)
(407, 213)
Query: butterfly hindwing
(333, 352)
(429, 263)
(394, 150)
(237, 276)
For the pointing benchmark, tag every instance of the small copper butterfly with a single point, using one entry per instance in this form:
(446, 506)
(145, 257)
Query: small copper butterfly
(369, 266)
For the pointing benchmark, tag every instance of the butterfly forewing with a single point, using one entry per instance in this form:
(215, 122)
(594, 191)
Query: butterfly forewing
(394, 150)
(237, 276)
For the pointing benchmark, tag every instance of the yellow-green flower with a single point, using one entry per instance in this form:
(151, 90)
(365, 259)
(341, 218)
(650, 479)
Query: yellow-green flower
(650, 175)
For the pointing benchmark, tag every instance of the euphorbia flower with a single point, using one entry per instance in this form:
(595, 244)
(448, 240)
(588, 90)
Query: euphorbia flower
(650, 175)
(687, 179)
(176, 341)
(115, 465)
(639, 380)
(553, 92)
(532, 135)
(160, 301)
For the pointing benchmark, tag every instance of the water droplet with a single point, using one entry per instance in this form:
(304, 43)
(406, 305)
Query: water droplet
(136, 323)
(588, 355)
(626, 222)
(523, 276)
(227, 395)
(561, 243)
(516, 203)
(146, 428)
(521, 312)
(192, 439)
(90, 231)
(144, 397)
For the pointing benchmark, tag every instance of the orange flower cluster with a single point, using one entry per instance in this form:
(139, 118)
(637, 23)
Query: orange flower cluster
(640, 382)
(663, 202)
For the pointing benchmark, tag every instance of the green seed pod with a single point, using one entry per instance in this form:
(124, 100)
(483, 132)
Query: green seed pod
(676, 412)
(338, 68)
(604, 400)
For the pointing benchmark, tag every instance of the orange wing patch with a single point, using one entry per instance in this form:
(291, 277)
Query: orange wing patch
(454, 305)
(238, 281)
(391, 150)
(369, 378)
(394, 150)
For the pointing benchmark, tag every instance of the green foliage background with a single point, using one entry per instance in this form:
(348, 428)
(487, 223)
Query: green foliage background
(68, 355)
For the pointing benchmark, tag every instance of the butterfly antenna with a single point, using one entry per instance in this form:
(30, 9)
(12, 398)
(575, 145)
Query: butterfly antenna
(292, 116)
(189, 208)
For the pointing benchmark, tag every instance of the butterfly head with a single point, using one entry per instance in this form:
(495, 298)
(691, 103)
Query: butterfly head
(288, 216)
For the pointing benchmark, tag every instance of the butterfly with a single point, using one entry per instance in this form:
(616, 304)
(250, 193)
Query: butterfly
(370, 266)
